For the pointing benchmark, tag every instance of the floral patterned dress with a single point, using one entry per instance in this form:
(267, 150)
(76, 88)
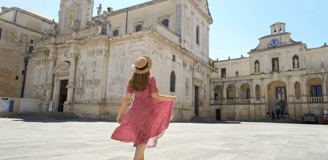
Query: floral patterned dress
(147, 118)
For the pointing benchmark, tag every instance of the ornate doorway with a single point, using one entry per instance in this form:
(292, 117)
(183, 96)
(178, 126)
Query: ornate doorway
(62, 95)
(196, 100)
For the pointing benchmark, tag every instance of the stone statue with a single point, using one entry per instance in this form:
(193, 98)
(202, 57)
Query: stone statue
(76, 24)
(276, 65)
(322, 65)
(99, 10)
(295, 63)
(88, 25)
(257, 67)
(71, 18)
(81, 82)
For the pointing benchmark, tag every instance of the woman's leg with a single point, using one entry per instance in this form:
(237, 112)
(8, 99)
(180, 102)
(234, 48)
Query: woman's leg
(140, 152)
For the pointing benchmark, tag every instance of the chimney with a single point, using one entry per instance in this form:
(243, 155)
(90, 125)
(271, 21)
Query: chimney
(109, 9)
(229, 58)
(217, 59)
(325, 44)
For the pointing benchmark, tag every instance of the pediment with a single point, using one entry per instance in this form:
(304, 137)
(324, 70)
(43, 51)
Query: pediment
(62, 67)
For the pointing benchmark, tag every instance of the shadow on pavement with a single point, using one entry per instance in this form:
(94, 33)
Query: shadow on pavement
(113, 121)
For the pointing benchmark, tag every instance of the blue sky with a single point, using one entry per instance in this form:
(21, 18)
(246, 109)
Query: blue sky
(238, 24)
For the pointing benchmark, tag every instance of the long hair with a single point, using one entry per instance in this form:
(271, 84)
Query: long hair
(139, 82)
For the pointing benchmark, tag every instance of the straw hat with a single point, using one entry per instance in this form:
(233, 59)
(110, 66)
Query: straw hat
(142, 65)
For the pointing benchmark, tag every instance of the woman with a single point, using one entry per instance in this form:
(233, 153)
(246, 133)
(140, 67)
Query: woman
(149, 114)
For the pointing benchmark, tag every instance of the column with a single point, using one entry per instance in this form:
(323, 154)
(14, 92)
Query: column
(324, 88)
(50, 78)
(224, 90)
(237, 92)
(290, 90)
(304, 90)
(71, 81)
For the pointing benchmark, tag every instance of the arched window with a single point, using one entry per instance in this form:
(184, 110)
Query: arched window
(165, 22)
(115, 33)
(138, 28)
(197, 35)
(295, 62)
(172, 82)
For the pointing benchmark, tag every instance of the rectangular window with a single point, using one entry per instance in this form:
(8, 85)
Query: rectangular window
(223, 73)
(0, 33)
(316, 91)
(281, 94)
(31, 49)
(31, 42)
(173, 58)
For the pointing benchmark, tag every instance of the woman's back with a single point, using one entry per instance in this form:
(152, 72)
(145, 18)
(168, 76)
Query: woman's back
(147, 93)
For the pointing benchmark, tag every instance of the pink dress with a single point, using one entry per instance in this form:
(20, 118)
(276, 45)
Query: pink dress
(147, 118)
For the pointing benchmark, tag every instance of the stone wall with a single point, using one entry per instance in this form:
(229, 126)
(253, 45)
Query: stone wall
(15, 41)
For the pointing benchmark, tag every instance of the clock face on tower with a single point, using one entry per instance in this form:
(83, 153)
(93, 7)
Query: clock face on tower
(274, 42)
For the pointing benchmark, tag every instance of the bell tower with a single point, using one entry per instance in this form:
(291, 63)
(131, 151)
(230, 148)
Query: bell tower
(74, 14)
(277, 28)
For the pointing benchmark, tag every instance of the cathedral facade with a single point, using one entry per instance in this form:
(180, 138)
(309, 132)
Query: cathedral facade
(278, 71)
(82, 64)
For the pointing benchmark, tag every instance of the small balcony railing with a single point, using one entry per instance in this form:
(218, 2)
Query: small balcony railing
(216, 102)
(230, 101)
(315, 99)
(244, 101)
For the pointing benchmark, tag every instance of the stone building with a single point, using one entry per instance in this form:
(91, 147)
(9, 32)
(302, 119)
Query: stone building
(19, 31)
(278, 68)
(83, 62)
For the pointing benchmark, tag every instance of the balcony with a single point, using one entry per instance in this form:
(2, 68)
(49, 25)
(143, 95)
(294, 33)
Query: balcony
(315, 99)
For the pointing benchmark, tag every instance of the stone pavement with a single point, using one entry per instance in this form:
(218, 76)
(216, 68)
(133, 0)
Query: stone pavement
(90, 140)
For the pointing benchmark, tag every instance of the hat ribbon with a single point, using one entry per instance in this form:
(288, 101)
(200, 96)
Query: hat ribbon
(143, 68)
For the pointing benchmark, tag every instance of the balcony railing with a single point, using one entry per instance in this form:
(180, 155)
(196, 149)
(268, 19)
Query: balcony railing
(244, 101)
(230, 101)
(315, 99)
(216, 102)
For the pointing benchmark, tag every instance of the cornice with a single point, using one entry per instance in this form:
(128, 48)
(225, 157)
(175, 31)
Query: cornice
(20, 26)
(28, 13)
(208, 18)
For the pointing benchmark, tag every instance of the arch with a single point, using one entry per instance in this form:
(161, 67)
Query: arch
(297, 89)
(172, 82)
(314, 87)
(165, 22)
(245, 92)
(277, 94)
(197, 35)
(138, 27)
(115, 33)
(231, 92)
(218, 94)
(257, 66)
(258, 92)
(296, 61)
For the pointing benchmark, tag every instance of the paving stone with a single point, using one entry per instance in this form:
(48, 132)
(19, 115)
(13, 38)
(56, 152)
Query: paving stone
(71, 140)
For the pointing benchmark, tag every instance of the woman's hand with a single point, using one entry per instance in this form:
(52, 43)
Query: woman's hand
(119, 119)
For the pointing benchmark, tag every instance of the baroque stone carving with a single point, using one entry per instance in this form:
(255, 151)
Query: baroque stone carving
(187, 86)
(61, 68)
(322, 65)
